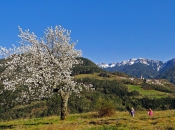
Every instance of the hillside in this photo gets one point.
(167, 65)
(168, 75)
(142, 67)
(161, 120)
(123, 90)
(136, 70)
(87, 67)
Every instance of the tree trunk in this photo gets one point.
(64, 103)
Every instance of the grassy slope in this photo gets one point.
(150, 93)
(95, 75)
(161, 120)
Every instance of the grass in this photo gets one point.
(150, 93)
(95, 76)
(147, 93)
(161, 120)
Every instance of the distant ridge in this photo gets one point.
(138, 67)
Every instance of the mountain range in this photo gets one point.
(142, 68)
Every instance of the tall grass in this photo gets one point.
(161, 120)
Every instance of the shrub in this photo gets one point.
(105, 107)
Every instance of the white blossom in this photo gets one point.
(41, 64)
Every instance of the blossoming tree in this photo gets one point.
(42, 66)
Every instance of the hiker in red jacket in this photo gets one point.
(150, 112)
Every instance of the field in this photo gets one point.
(150, 93)
(144, 93)
(161, 120)
(96, 76)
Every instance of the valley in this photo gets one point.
(121, 89)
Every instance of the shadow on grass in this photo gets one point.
(6, 127)
(2, 127)
(106, 122)
(39, 123)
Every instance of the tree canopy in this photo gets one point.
(42, 65)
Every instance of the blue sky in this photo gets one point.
(106, 30)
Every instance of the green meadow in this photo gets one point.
(150, 93)
(144, 93)
(161, 120)
(120, 120)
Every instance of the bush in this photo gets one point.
(105, 107)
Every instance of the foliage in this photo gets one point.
(161, 88)
(42, 66)
(120, 74)
(105, 107)
(113, 91)
(160, 92)
(124, 93)
(105, 74)
(87, 67)
(35, 62)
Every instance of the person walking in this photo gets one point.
(150, 112)
(132, 112)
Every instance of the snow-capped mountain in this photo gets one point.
(168, 71)
(154, 63)
(167, 65)
(104, 65)
(138, 67)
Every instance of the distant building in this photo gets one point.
(141, 77)
(131, 78)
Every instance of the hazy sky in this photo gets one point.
(106, 30)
